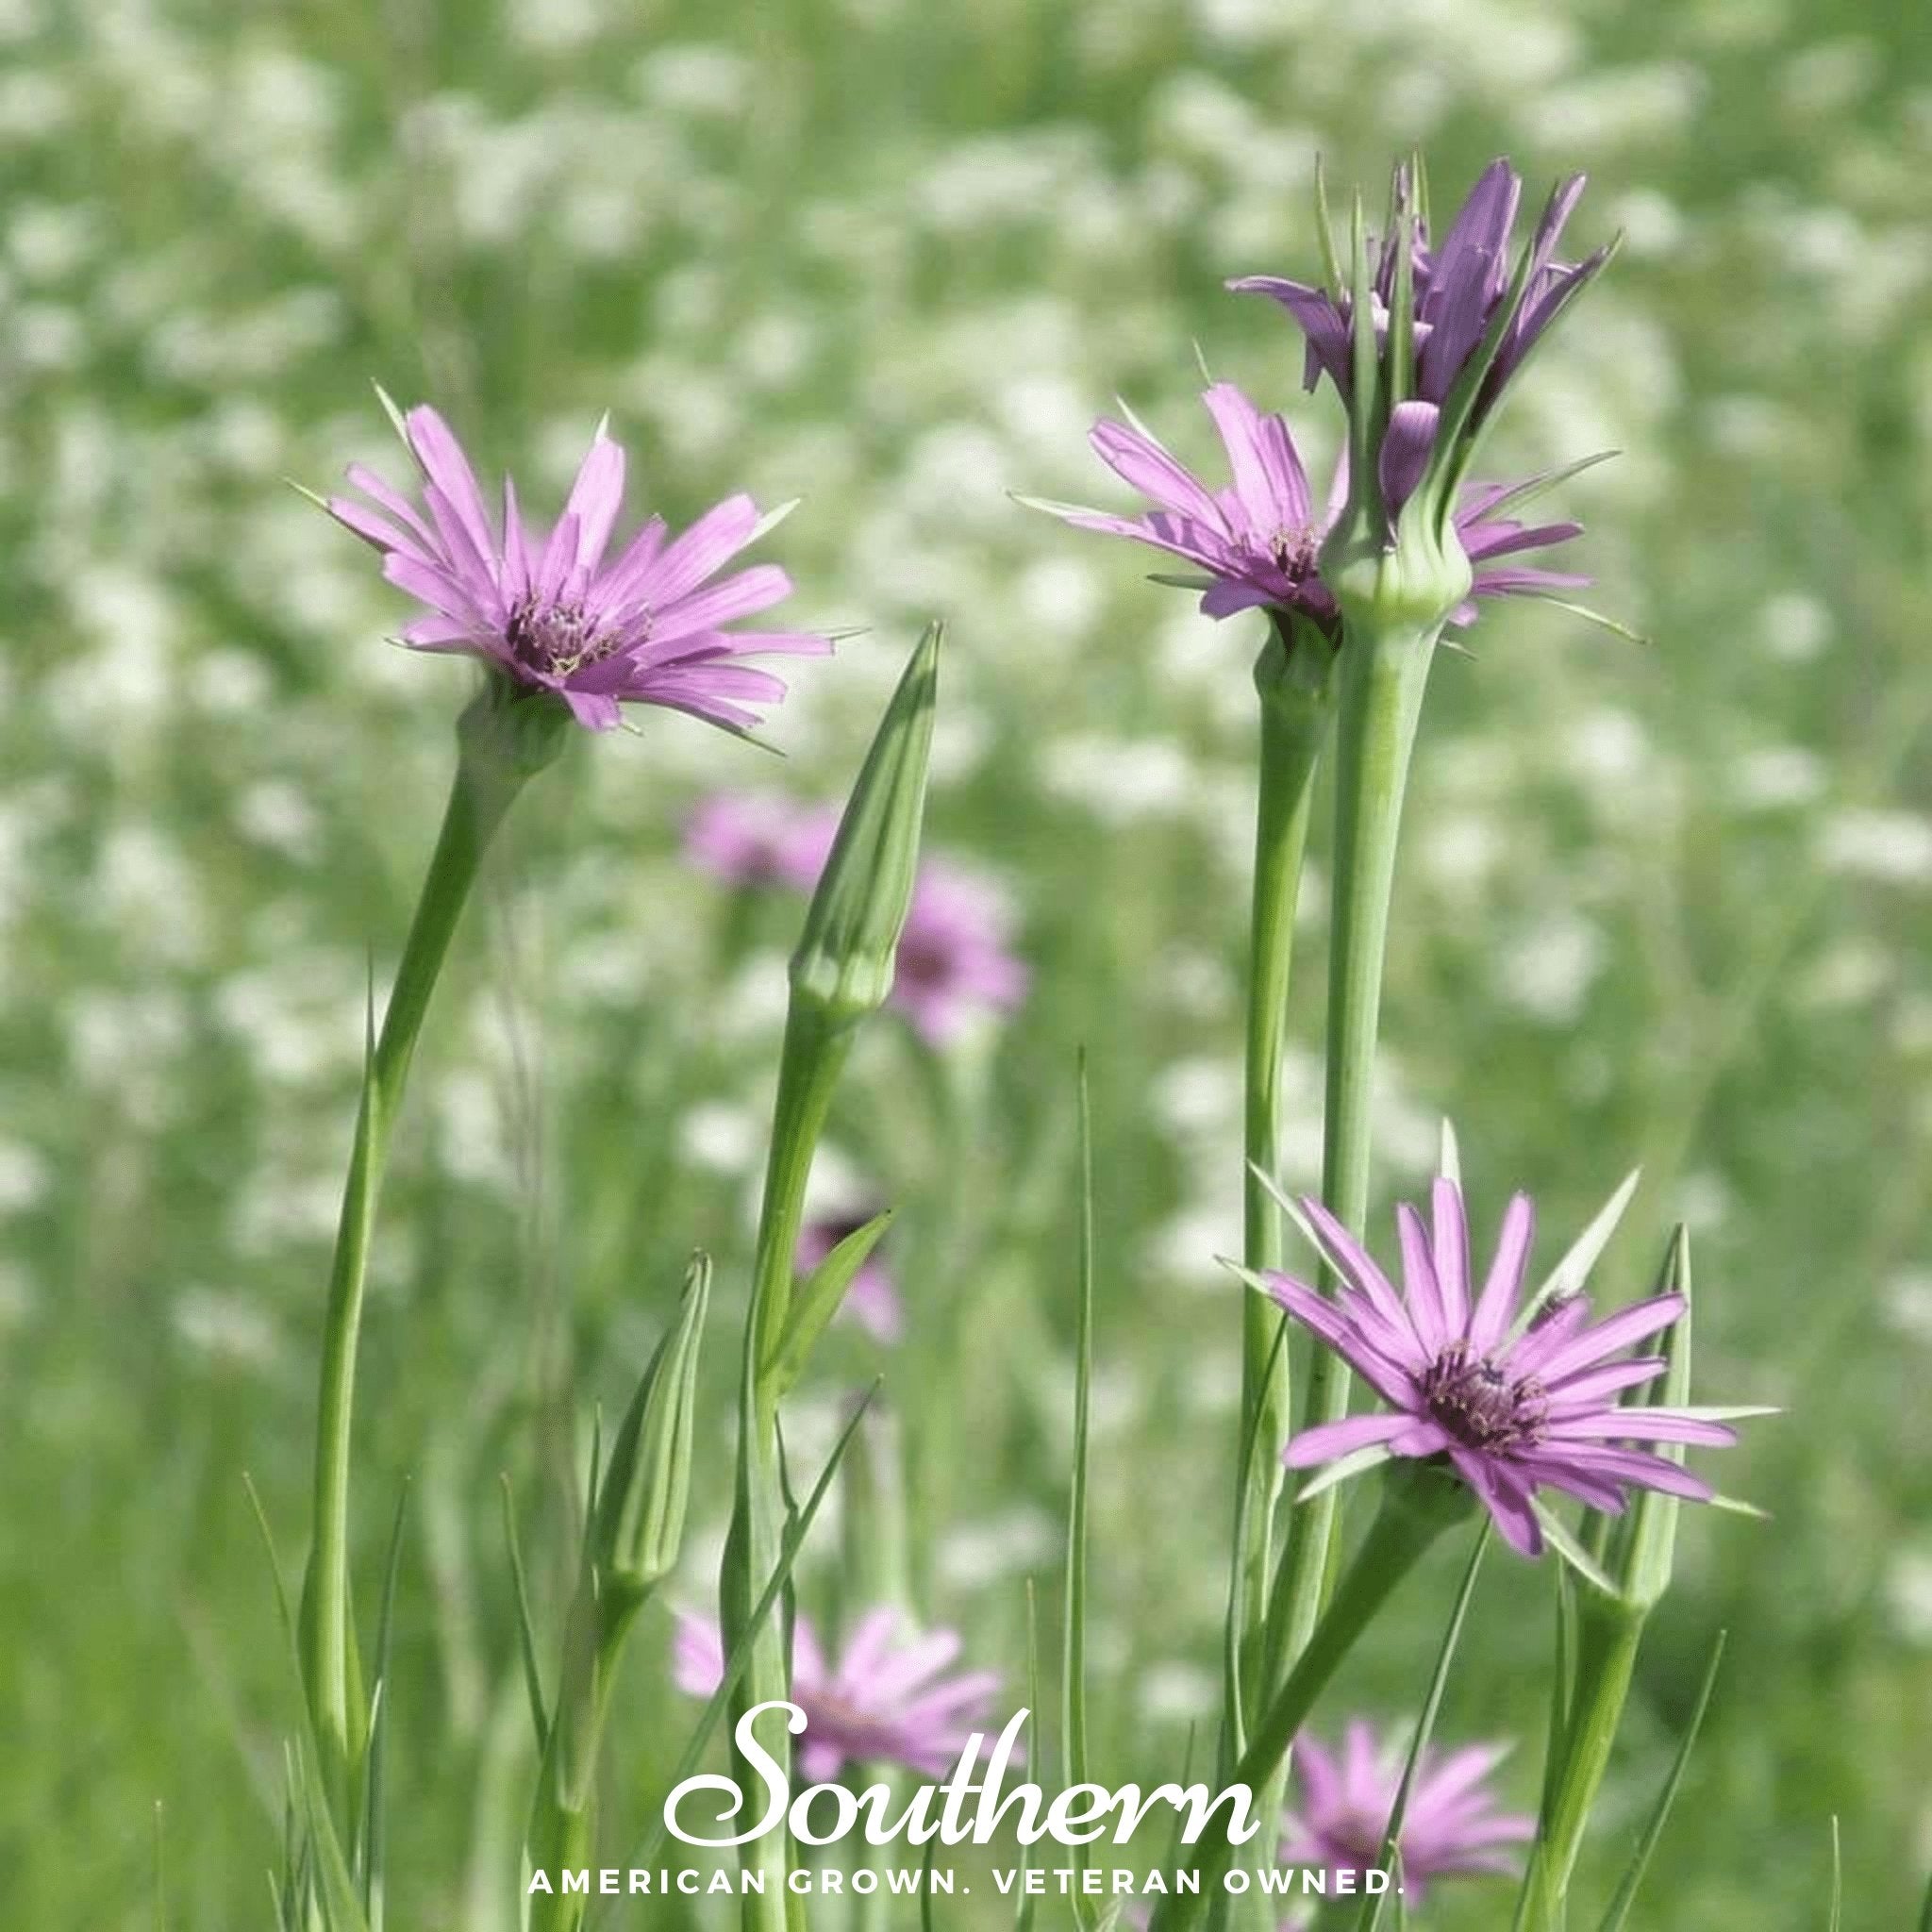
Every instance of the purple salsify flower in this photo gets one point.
(871, 1296)
(753, 838)
(887, 1701)
(551, 613)
(1457, 289)
(1451, 1825)
(955, 960)
(1260, 542)
(1516, 1399)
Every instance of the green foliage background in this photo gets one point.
(1664, 904)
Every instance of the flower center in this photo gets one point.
(923, 964)
(1295, 554)
(857, 1733)
(1355, 1840)
(557, 639)
(1478, 1404)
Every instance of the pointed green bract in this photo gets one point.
(844, 967)
(638, 1528)
(818, 1298)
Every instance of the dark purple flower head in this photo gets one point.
(1518, 1398)
(871, 1296)
(549, 610)
(955, 956)
(887, 1701)
(1258, 541)
(1451, 1825)
(1458, 291)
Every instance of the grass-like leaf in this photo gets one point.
(526, 1634)
(1370, 1916)
(1024, 1917)
(1073, 1605)
(341, 1908)
(1837, 1877)
(374, 1848)
(1619, 1911)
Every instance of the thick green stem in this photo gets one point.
(1609, 1636)
(1418, 1503)
(497, 752)
(562, 1813)
(814, 1053)
(1384, 673)
(1292, 676)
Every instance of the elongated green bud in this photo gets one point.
(845, 960)
(638, 1525)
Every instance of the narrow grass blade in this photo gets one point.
(526, 1635)
(342, 1906)
(374, 1849)
(1024, 1919)
(1837, 1885)
(1562, 1689)
(1370, 1915)
(160, 1894)
(1234, 1716)
(1619, 1912)
(1073, 1608)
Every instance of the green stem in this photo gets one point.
(497, 752)
(1609, 1636)
(814, 1053)
(1383, 677)
(1418, 1503)
(1292, 676)
(562, 1812)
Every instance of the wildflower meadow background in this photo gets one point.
(1665, 903)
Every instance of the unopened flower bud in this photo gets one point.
(845, 962)
(639, 1527)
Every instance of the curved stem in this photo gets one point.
(1418, 1503)
(1383, 678)
(484, 784)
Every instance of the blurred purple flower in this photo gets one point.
(954, 960)
(887, 1701)
(872, 1297)
(955, 957)
(1515, 1406)
(751, 838)
(1451, 1825)
(1260, 542)
(548, 611)
(1458, 289)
